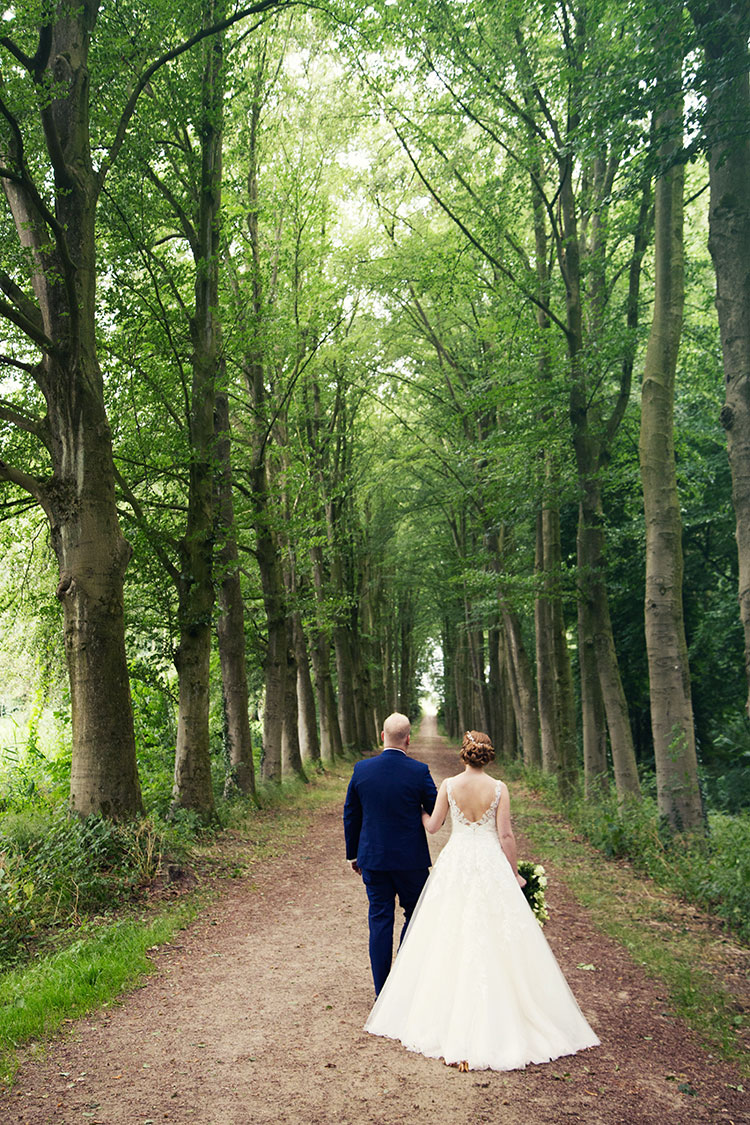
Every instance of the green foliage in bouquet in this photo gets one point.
(536, 881)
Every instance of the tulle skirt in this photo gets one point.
(475, 979)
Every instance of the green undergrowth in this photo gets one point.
(57, 871)
(37, 999)
(688, 954)
(251, 834)
(711, 869)
(80, 903)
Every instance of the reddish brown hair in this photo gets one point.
(476, 748)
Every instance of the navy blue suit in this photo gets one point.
(384, 834)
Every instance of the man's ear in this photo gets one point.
(382, 736)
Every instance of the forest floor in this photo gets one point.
(254, 1015)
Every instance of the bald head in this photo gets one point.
(396, 731)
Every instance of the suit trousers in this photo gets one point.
(382, 889)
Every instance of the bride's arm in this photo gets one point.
(505, 833)
(434, 822)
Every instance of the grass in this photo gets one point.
(667, 938)
(107, 958)
(36, 1000)
(653, 924)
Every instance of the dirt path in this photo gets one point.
(255, 1015)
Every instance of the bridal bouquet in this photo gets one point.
(536, 881)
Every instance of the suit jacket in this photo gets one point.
(383, 812)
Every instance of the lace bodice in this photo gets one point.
(474, 942)
(486, 821)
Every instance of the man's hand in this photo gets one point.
(356, 868)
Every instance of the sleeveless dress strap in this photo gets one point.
(488, 814)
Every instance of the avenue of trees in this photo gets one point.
(338, 344)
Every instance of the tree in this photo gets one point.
(669, 673)
(723, 28)
(52, 189)
(46, 150)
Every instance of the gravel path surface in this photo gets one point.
(255, 1014)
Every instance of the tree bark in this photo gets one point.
(230, 626)
(291, 755)
(308, 721)
(594, 723)
(330, 734)
(555, 694)
(591, 559)
(275, 664)
(260, 427)
(678, 793)
(723, 28)
(596, 617)
(79, 497)
(527, 715)
(192, 776)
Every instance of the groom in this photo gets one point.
(385, 840)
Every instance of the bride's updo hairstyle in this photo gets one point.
(476, 748)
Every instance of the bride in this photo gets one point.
(475, 982)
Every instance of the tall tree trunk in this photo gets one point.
(678, 793)
(527, 715)
(92, 556)
(330, 733)
(475, 639)
(462, 684)
(594, 723)
(564, 691)
(389, 672)
(496, 689)
(545, 681)
(192, 776)
(275, 663)
(450, 714)
(308, 721)
(591, 559)
(331, 742)
(592, 591)
(230, 626)
(79, 496)
(406, 652)
(260, 427)
(516, 705)
(724, 27)
(347, 712)
(291, 755)
(502, 688)
(362, 707)
(555, 696)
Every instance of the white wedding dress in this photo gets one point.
(475, 979)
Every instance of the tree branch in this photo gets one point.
(28, 483)
(23, 420)
(12, 48)
(143, 523)
(35, 211)
(11, 313)
(257, 9)
(23, 303)
(19, 364)
(499, 266)
(187, 226)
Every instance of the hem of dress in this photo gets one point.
(483, 1066)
